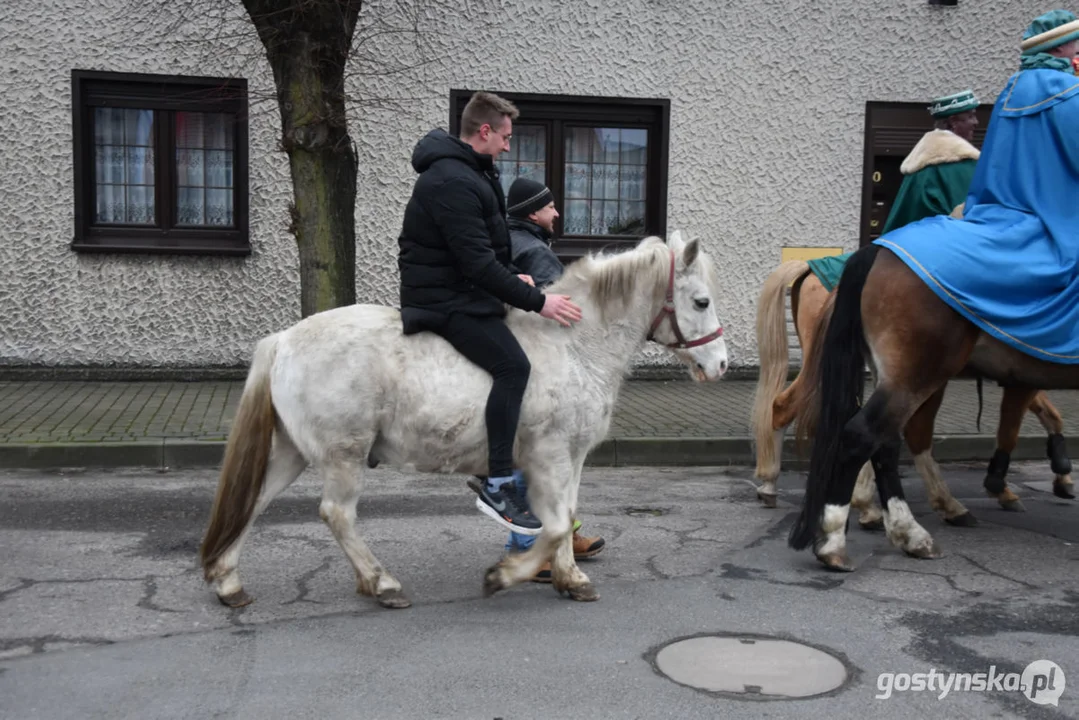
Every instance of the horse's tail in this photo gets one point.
(246, 458)
(840, 374)
(772, 346)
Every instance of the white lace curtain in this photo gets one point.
(605, 180)
(124, 166)
(527, 157)
(204, 156)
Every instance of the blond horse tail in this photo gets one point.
(246, 458)
(772, 346)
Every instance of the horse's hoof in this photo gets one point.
(837, 561)
(1015, 505)
(394, 600)
(492, 581)
(583, 593)
(238, 599)
(964, 520)
(925, 553)
(768, 501)
(1064, 490)
(995, 484)
(873, 525)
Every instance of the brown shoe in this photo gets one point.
(543, 575)
(586, 547)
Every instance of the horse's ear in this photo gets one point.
(689, 254)
(676, 242)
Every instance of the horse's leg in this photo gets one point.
(1053, 423)
(864, 500)
(549, 477)
(871, 435)
(341, 487)
(285, 465)
(565, 574)
(903, 530)
(919, 436)
(1013, 406)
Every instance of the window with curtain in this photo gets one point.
(160, 164)
(603, 159)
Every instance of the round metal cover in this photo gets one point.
(751, 666)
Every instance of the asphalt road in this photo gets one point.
(103, 612)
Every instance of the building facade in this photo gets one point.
(146, 197)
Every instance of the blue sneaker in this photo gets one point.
(507, 506)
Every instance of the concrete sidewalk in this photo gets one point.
(186, 424)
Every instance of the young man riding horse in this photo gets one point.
(456, 278)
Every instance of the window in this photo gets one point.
(160, 164)
(892, 129)
(604, 159)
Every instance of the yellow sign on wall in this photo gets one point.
(809, 253)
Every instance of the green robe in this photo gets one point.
(933, 190)
(936, 177)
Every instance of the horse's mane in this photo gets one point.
(608, 277)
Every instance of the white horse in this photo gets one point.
(345, 383)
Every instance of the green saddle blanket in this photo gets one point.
(829, 269)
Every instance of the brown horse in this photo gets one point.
(775, 408)
(883, 312)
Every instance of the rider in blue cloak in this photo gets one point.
(1011, 264)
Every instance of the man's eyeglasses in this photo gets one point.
(505, 137)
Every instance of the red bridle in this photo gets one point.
(668, 311)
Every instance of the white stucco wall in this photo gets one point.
(766, 148)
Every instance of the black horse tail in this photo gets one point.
(841, 380)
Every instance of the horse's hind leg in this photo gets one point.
(919, 436)
(565, 574)
(864, 500)
(285, 465)
(1013, 406)
(1053, 423)
(872, 434)
(342, 482)
(903, 530)
(784, 411)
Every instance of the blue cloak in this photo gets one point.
(1010, 265)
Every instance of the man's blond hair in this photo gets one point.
(485, 108)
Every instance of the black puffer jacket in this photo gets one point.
(454, 245)
(531, 252)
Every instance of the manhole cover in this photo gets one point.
(751, 666)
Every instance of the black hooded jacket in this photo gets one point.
(454, 247)
(532, 253)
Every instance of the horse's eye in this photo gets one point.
(701, 303)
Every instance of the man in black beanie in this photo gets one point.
(532, 213)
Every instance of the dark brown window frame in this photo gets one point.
(90, 89)
(555, 111)
(892, 129)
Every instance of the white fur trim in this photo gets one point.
(936, 148)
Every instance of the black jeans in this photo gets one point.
(488, 343)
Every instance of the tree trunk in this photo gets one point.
(307, 43)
